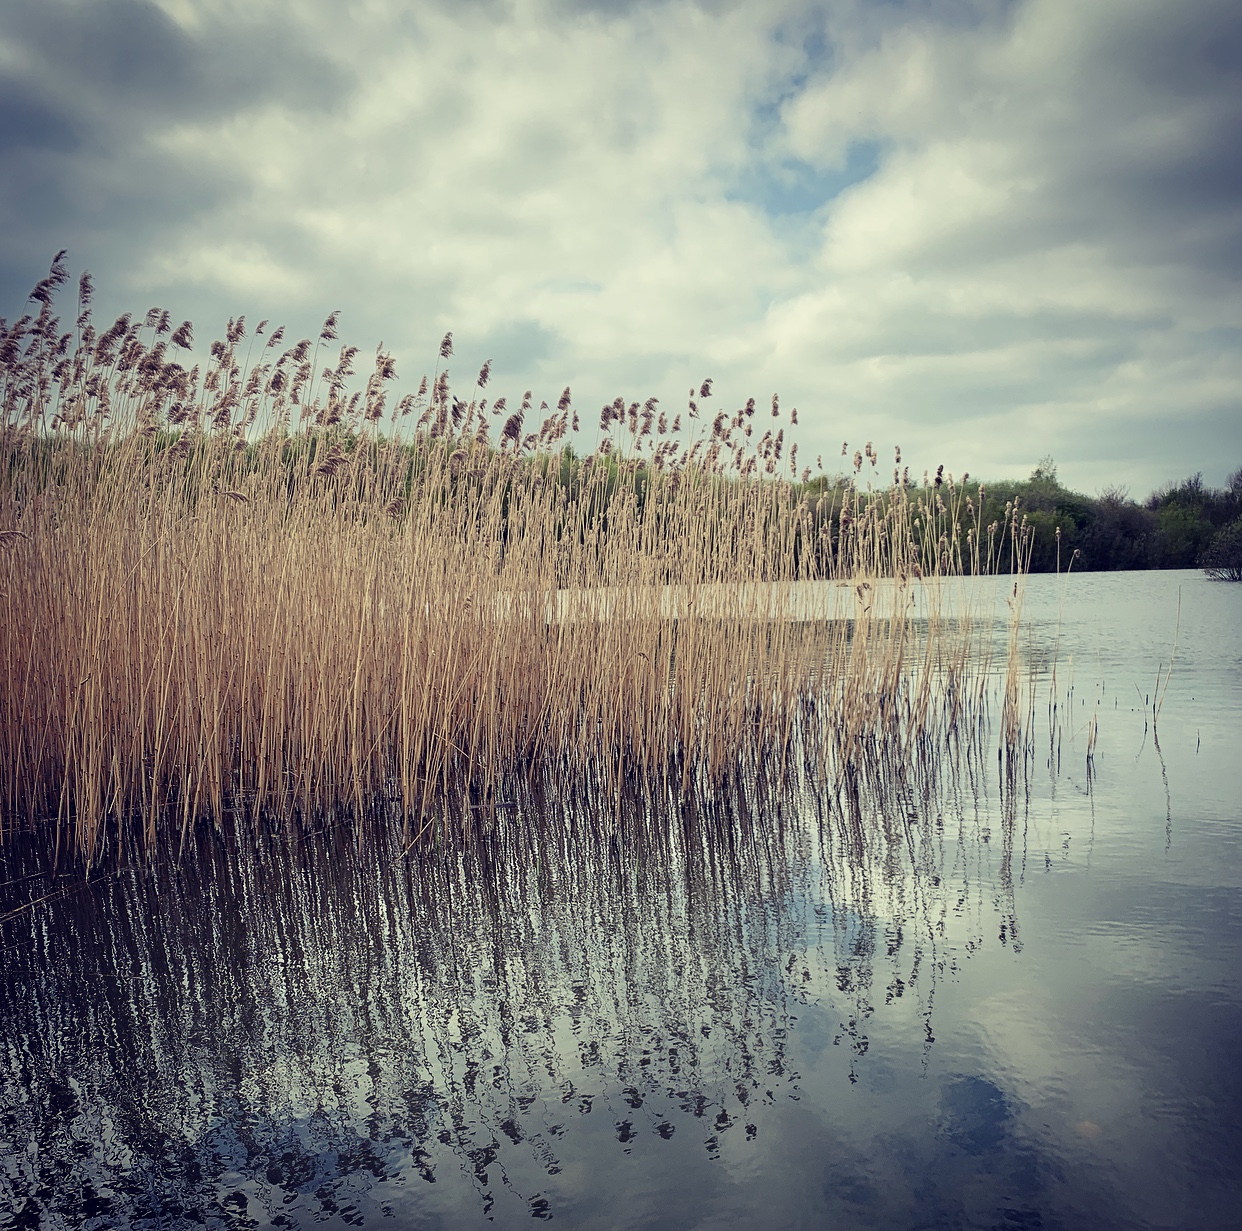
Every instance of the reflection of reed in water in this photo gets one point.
(295, 1021)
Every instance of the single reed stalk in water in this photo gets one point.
(221, 594)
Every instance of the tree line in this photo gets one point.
(1180, 525)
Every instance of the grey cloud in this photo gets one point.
(93, 84)
(123, 54)
(1162, 112)
(31, 123)
(1183, 49)
(1162, 109)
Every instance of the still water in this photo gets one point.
(959, 990)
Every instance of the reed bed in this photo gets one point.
(239, 586)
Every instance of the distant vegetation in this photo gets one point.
(1182, 525)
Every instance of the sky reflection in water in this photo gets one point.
(961, 993)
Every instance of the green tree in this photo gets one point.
(1046, 471)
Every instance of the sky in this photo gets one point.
(984, 231)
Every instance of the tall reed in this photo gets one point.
(241, 586)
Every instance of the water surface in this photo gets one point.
(959, 990)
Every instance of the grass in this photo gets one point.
(241, 587)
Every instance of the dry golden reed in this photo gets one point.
(243, 586)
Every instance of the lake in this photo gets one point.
(960, 988)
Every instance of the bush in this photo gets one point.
(1223, 557)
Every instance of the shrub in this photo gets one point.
(1223, 557)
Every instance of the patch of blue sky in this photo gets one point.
(794, 187)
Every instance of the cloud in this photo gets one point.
(1049, 245)
(95, 89)
(985, 231)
